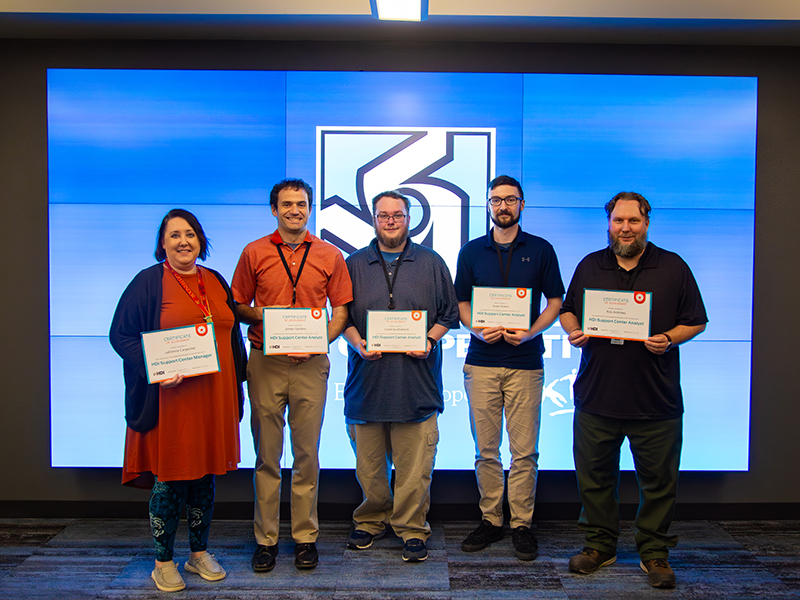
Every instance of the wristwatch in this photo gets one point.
(669, 339)
(433, 343)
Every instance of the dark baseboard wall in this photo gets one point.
(454, 497)
(439, 512)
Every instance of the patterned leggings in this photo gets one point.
(166, 505)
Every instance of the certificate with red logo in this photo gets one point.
(189, 351)
(295, 330)
(397, 330)
(501, 307)
(617, 314)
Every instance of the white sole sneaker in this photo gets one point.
(167, 578)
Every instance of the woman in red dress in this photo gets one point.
(183, 431)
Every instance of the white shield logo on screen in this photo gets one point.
(443, 171)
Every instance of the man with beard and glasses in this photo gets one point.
(504, 370)
(628, 388)
(392, 400)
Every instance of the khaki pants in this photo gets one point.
(412, 449)
(493, 391)
(275, 383)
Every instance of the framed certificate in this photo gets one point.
(295, 330)
(397, 330)
(501, 307)
(617, 314)
(189, 351)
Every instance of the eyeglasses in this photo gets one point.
(509, 200)
(385, 217)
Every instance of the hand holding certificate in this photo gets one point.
(189, 351)
(295, 331)
(509, 308)
(617, 314)
(397, 330)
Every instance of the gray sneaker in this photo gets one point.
(206, 566)
(167, 578)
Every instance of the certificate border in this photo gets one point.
(608, 337)
(490, 287)
(424, 319)
(298, 308)
(144, 351)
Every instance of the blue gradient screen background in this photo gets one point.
(125, 146)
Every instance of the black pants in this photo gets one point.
(656, 448)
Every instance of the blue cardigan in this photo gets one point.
(138, 310)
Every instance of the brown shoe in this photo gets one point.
(659, 573)
(589, 560)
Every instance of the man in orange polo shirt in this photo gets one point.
(290, 268)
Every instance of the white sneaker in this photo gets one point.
(167, 578)
(206, 566)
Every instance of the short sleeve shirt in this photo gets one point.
(628, 381)
(533, 265)
(398, 388)
(260, 276)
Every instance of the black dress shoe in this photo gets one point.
(264, 558)
(306, 556)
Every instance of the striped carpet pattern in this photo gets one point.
(98, 558)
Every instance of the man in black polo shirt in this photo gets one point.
(631, 389)
(504, 371)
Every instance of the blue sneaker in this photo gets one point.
(361, 540)
(414, 550)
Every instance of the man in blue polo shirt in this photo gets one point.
(392, 400)
(504, 371)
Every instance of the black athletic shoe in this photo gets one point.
(485, 534)
(525, 545)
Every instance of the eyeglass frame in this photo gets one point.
(394, 218)
(509, 200)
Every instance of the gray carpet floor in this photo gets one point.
(99, 558)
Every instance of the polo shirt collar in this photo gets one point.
(372, 250)
(276, 238)
(489, 243)
(649, 259)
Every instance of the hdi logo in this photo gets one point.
(443, 171)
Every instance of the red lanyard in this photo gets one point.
(202, 301)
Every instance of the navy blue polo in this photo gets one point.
(533, 265)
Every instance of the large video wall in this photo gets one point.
(125, 146)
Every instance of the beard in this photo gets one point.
(505, 224)
(392, 242)
(630, 250)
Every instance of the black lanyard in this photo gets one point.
(505, 269)
(299, 271)
(390, 284)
